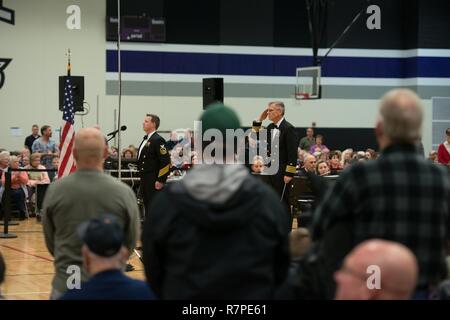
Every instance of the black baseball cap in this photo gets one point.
(103, 235)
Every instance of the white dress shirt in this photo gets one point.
(144, 142)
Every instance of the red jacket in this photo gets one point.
(443, 155)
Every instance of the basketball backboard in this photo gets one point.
(308, 83)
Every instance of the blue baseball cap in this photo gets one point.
(103, 235)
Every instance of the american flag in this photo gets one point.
(67, 163)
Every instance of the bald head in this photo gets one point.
(89, 148)
(400, 116)
(397, 268)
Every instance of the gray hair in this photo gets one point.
(401, 115)
(14, 158)
(4, 155)
(279, 104)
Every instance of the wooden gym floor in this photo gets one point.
(29, 266)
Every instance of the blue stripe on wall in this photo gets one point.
(267, 65)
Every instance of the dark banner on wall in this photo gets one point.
(403, 24)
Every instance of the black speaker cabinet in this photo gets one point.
(77, 92)
(212, 91)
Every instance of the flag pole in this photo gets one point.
(119, 69)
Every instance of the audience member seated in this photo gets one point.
(35, 178)
(377, 270)
(19, 191)
(347, 154)
(104, 257)
(53, 175)
(258, 164)
(349, 162)
(433, 156)
(324, 156)
(113, 152)
(309, 165)
(173, 140)
(25, 162)
(4, 161)
(188, 140)
(335, 161)
(322, 168)
(128, 154)
(24, 154)
(301, 154)
(2, 274)
(318, 146)
(444, 150)
(370, 154)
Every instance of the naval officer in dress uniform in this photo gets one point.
(153, 160)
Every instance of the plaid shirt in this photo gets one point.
(400, 197)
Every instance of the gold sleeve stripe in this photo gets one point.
(163, 171)
(290, 169)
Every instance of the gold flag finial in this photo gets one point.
(69, 67)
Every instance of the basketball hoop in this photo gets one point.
(302, 96)
(307, 83)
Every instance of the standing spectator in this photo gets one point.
(32, 137)
(104, 256)
(400, 196)
(19, 193)
(308, 141)
(45, 147)
(444, 150)
(219, 233)
(398, 272)
(81, 196)
(318, 146)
